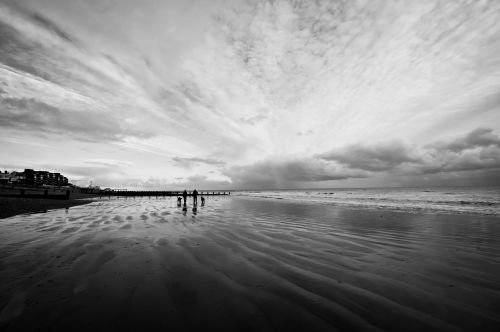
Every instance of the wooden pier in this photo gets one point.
(131, 193)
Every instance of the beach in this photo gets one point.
(244, 263)
(10, 206)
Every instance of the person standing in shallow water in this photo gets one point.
(195, 197)
(184, 195)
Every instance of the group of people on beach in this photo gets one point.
(195, 198)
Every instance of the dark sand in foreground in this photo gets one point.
(247, 265)
(10, 206)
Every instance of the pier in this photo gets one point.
(66, 194)
(131, 193)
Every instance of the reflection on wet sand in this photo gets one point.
(239, 264)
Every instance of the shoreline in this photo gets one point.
(12, 206)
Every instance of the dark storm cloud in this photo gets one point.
(34, 116)
(480, 137)
(272, 173)
(484, 159)
(380, 157)
(477, 151)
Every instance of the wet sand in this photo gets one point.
(247, 264)
(11, 206)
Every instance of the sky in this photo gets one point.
(209, 94)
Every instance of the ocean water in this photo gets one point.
(468, 200)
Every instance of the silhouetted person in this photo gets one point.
(179, 201)
(195, 197)
(184, 195)
(202, 201)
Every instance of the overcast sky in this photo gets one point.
(252, 94)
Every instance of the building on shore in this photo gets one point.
(4, 177)
(31, 177)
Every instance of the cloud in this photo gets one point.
(197, 178)
(103, 175)
(52, 27)
(85, 171)
(193, 160)
(255, 119)
(247, 81)
(480, 137)
(479, 152)
(36, 45)
(199, 181)
(35, 116)
(109, 162)
(476, 150)
(305, 133)
(12, 167)
(281, 173)
(483, 158)
(45, 69)
(380, 157)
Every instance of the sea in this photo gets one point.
(462, 200)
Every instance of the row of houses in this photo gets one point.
(33, 178)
